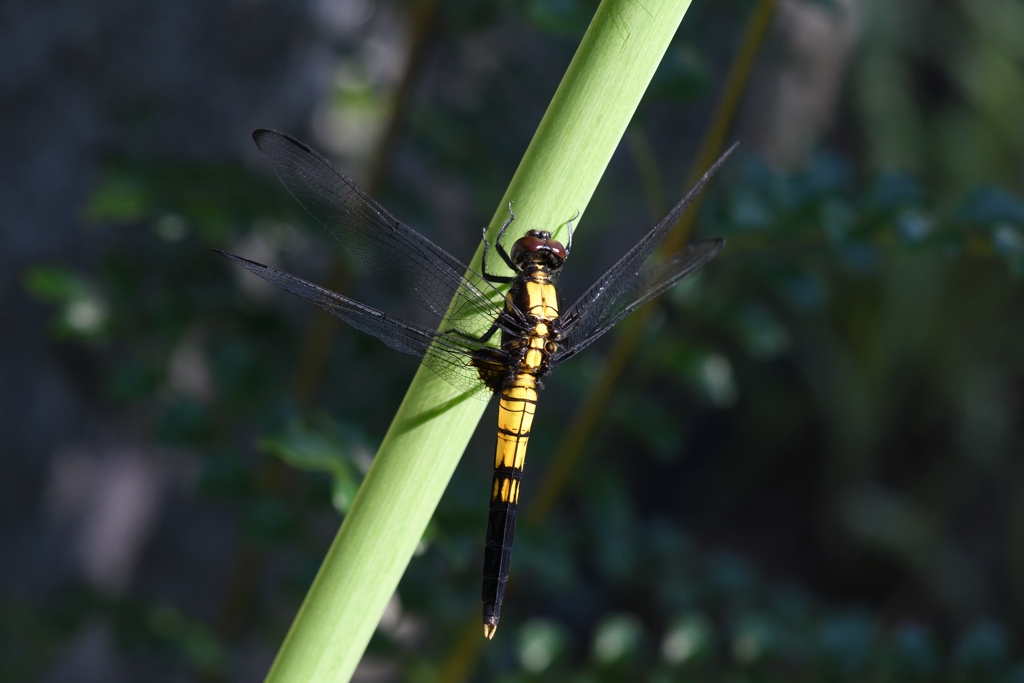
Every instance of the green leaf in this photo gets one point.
(120, 198)
(322, 446)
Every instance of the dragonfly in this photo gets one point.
(499, 334)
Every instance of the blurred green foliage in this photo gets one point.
(812, 472)
(83, 313)
(324, 446)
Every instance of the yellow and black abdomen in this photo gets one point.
(515, 416)
(517, 405)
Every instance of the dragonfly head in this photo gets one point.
(536, 246)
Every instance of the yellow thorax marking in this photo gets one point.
(542, 298)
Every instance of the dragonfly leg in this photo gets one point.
(497, 243)
(500, 279)
(483, 337)
(568, 224)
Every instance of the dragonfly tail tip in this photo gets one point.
(489, 630)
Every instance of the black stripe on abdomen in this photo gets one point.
(501, 531)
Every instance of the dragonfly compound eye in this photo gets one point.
(537, 245)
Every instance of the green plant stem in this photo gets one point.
(576, 437)
(557, 176)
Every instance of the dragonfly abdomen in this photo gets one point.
(515, 417)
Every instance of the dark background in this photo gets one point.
(811, 468)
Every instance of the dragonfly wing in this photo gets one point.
(613, 289)
(392, 250)
(448, 354)
(634, 292)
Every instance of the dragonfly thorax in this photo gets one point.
(536, 246)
